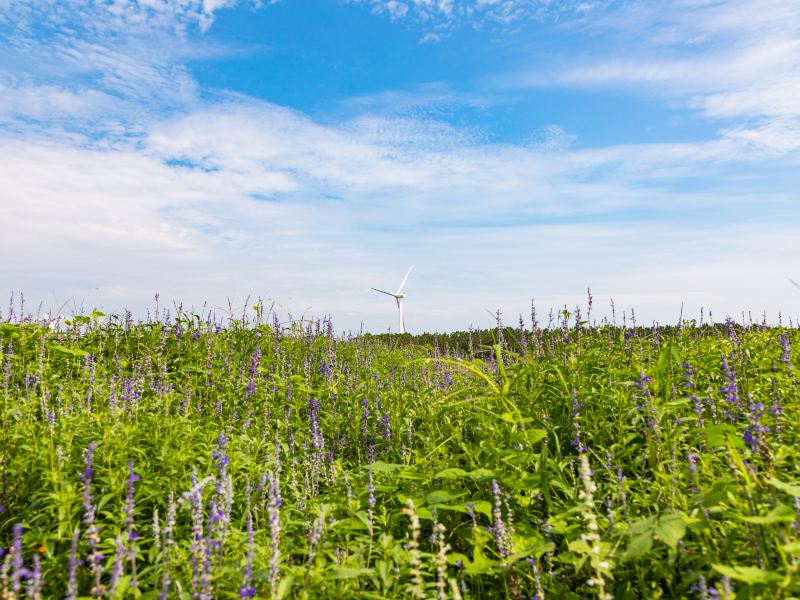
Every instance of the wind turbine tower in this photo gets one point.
(399, 296)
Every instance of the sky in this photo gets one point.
(304, 151)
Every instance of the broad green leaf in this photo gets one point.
(722, 435)
(482, 475)
(351, 523)
(482, 507)
(779, 514)
(670, 529)
(285, 585)
(638, 546)
(536, 435)
(792, 489)
(480, 564)
(66, 350)
(717, 492)
(451, 473)
(349, 573)
(382, 467)
(443, 496)
(749, 575)
(641, 526)
(532, 550)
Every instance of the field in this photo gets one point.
(193, 456)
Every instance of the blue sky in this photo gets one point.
(306, 150)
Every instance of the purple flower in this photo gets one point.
(731, 391)
(74, 563)
(247, 590)
(118, 568)
(273, 512)
(499, 530)
(576, 406)
(35, 579)
(130, 500)
(92, 531)
(692, 459)
(201, 561)
(786, 349)
(645, 402)
(220, 458)
(19, 572)
(130, 508)
(316, 436)
(688, 384)
(371, 502)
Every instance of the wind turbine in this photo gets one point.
(399, 295)
(793, 282)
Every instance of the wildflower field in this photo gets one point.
(193, 456)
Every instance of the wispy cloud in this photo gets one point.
(99, 69)
(443, 15)
(104, 16)
(249, 197)
(723, 60)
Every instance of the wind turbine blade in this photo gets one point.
(793, 282)
(400, 289)
(387, 293)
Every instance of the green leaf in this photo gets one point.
(790, 488)
(443, 496)
(382, 467)
(670, 529)
(349, 573)
(479, 564)
(638, 546)
(285, 585)
(452, 473)
(779, 514)
(534, 549)
(71, 351)
(723, 435)
(749, 575)
(424, 513)
(642, 525)
(536, 435)
(351, 523)
(481, 507)
(482, 475)
(717, 492)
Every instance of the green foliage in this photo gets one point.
(694, 482)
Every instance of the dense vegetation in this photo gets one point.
(187, 457)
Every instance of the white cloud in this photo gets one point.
(116, 15)
(248, 197)
(779, 136)
(725, 60)
(444, 15)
